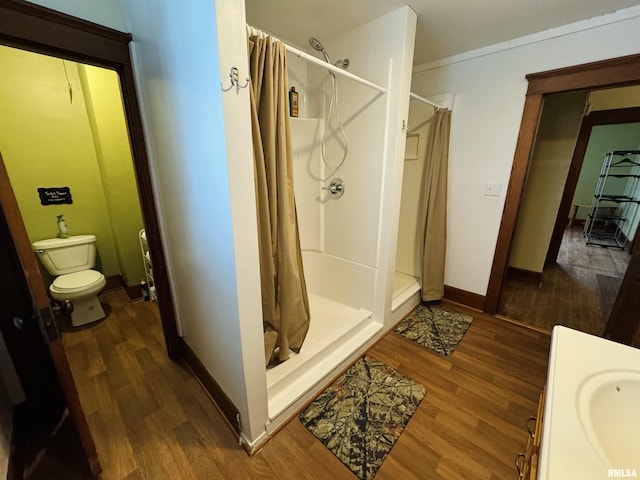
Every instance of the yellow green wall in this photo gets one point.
(48, 140)
(550, 161)
(611, 98)
(107, 120)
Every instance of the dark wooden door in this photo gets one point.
(20, 328)
(27, 324)
(623, 324)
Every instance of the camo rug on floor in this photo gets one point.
(434, 327)
(361, 415)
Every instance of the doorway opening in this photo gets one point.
(65, 135)
(554, 276)
(31, 28)
(612, 73)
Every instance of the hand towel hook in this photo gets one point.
(234, 79)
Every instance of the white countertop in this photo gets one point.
(565, 451)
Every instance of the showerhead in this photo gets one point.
(316, 45)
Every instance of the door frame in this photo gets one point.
(38, 29)
(616, 72)
(600, 117)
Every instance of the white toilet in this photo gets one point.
(71, 260)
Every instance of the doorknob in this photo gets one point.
(19, 323)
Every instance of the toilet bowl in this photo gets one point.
(81, 289)
(71, 261)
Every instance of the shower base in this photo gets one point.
(336, 331)
(406, 295)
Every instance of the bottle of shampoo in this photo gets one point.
(293, 102)
(62, 227)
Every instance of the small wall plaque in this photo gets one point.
(55, 195)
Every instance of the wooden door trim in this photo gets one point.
(616, 72)
(600, 117)
(524, 147)
(31, 27)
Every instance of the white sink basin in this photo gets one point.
(591, 426)
(609, 411)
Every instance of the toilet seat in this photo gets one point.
(77, 282)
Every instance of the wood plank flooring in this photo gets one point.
(151, 420)
(568, 294)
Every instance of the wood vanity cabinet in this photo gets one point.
(527, 461)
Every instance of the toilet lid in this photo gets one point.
(76, 280)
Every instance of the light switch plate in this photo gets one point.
(492, 189)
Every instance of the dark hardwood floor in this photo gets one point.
(151, 419)
(571, 291)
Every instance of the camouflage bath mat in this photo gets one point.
(361, 415)
(435, 328)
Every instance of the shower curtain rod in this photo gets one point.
(322, 63)
(424, 100)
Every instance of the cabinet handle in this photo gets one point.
(520, 461)
(529, 429)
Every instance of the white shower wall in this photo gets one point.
(331, 269)
(339, 237)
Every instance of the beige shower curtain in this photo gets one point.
(285, 305)
(434, 208)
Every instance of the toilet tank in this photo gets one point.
(67, 255)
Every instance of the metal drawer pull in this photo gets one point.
(529, 429)
(520, 465)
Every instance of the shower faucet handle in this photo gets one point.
(335, 188)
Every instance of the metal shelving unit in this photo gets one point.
(615, 201)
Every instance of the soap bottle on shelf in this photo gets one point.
(293, 102)
(62, 227)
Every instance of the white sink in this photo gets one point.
(591, 425)
(609, 410)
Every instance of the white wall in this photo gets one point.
(202, 200)
(490, 86)
(232, 48)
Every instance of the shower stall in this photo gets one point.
(406, 279)
(337, 181)
(347, 147)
